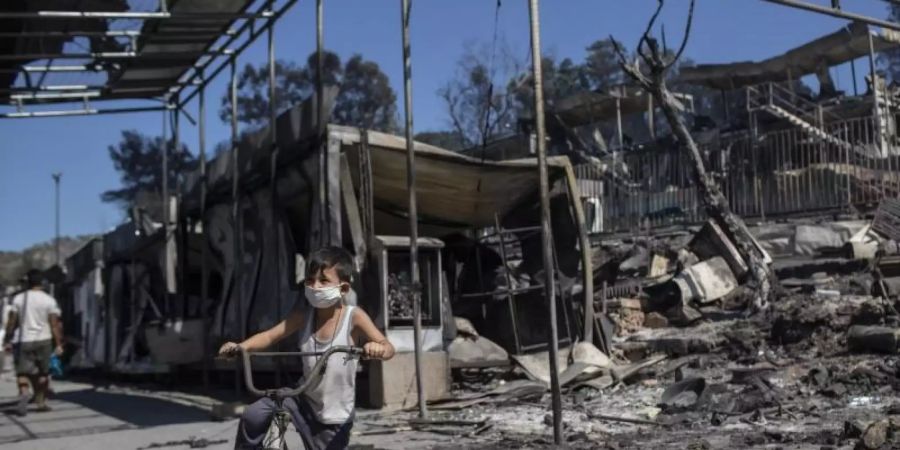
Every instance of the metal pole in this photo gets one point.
(215, 51)
(83, 112)
(132, 15)
(165, 209)
(837, 13)
(320, 60)
(56, 178)
(853, 74)
(170, 220)
(173, 35)
(549, 285)
(510, 296)
(413, 213)
(876, 96)
(324, 217)
(236, 218)
(204, 243)
(57, 68)
(619, 123)
(273, 172)
(164, 186)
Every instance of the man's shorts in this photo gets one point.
(33, 358)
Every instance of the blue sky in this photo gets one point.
(724, 31)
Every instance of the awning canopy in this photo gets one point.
(450, 188)
(848, 43)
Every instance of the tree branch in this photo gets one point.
(687, 33)
(653, 81)
(451, 111)
(646, 35)
(630, 69)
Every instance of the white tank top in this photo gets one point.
(333, 398)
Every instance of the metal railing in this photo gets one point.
(779, 173)
(782, 96)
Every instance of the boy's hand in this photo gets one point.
(229, 349)
(374, 350)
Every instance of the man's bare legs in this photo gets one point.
(23, 381)
(40, 391)
(24, 395)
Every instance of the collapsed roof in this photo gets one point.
(453, 190)
(593, 107)
(847, 44)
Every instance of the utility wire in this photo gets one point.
(490, 94)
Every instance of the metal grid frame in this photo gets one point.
(168, 37)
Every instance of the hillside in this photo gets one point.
(14, 264)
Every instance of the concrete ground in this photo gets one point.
(86, 416)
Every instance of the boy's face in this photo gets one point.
(326, 278)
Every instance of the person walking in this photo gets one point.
(34, 332)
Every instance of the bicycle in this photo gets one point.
(274, 438)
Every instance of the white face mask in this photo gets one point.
(323, 297)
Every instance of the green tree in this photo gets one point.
(138, 159)
(601, 66)
(293, 83)
(365, 99)
(561, 80)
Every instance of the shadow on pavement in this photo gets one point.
(137, 410)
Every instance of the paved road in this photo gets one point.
(85, 417)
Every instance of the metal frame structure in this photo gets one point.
(243, 28)
(838, 12)
(173, 98)
(196, 71)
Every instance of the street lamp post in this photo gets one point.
(56, 178)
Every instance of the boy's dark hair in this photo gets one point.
(34, 278)
(327, 257)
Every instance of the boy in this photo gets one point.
(324, 414)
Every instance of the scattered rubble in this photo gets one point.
(693, 365)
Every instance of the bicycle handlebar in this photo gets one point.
(308, 378)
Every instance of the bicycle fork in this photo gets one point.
(274, 438)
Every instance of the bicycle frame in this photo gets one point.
(274, 438)
(309, 379)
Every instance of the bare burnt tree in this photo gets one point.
(479, 109)
(649, 70)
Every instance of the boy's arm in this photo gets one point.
(376, 345)
(267, 338)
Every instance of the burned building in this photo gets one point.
(480, 248)
(778, 152)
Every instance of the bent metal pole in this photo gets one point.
(549, 287)
(413, 216)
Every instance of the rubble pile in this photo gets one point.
(692, 363)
